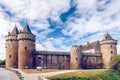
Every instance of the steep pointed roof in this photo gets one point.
(27, 29)
(15, 31)
(107, 37)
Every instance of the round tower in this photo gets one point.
(26, 49)
(12, 49)
(75, 57)
(108, 49)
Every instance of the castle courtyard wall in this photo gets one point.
(92, 61)
(53, 61)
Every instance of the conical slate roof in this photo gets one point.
(14, 31)
(107, 37)
(27, 29)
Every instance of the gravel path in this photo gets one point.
(42, 75)
(7, 75)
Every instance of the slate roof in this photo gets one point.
(14, 31)
(27, 29)
(93, 45)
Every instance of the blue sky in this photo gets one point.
(59, 24)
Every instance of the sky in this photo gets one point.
(59, 24)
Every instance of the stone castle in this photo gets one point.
(21, 53)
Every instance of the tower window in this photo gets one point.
(111, 52)
(11, 40)
(25, 48)
(111, 46)
(9, 56)
(23, 57)
(76, 58)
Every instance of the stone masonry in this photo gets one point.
(21, 53)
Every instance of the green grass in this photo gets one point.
(98, 75)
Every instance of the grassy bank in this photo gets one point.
(93, 75)
(32, 71)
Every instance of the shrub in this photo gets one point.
(115, 64)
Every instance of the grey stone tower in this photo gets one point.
(12, 49)
(26, 49)
(108, 49)
(75, 57)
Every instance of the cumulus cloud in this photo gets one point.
(91, 19)
(35, 12)
(88, 22)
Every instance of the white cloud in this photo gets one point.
(91, 20)
(39, 47)
(118, 49)
(35, 9)
(37, 13)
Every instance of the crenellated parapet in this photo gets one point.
(24, 36)
(11, 38)
(108, 42)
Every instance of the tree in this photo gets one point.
(115, 64)
(2, 62)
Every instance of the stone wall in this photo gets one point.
(26, 50)
(11, 51)
(91, 61)
(75, 57)
(53, 60)
(108, 50)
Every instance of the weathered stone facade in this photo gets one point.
(53, 59)
(12, 49)
(26, 49)
(21, 53)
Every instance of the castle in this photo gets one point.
(21, 53)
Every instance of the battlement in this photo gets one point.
(11, 38)
(24, 36)
(108, 42)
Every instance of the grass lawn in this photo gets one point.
(32, 71)
(87, 75)
(83, 73)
